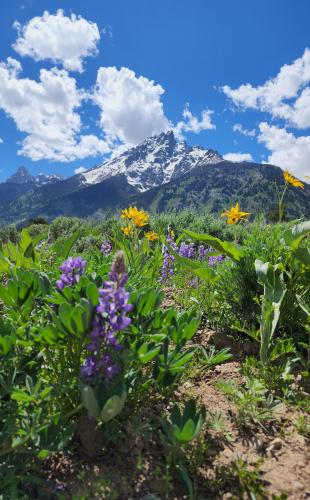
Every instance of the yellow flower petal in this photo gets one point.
(290, 179)
(151, 236)
(234, 214)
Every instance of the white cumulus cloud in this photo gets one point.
(287, 150)
(237, 127)
(56, 37)
(237, 157)
(191, 123)
(283, 96)
(46, 111)
(131, 109)
(1, 140)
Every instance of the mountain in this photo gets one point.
(159, 174)
(22, 182)
(22, 176)
(224, 183)
(156, 161)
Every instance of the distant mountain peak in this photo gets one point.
(23, 176)
(156, 161)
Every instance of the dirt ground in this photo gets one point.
(135, 469)
(275, 459)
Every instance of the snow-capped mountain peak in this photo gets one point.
(156, 161)
(23, 176)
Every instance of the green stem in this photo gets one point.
(280, 208)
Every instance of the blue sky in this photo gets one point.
(229, 75)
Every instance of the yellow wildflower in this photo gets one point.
(140, 219)
(129, 213)
(127, 230)
(151, 236)
(234, 214)
(290, 179)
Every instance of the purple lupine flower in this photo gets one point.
(106, 248)
(194, 282)
(187, 250)
(72, 269)
(202, 252)
(183, 252)
(168, 260)
(88, 370)
(110, 318)
(191, 251)
(215, 259)
(168, 265)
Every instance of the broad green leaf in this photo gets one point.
(186, 433)
(303, 305)
(303, 255)
(20, 395)
(293, 236)
(225, 247)
(112, 407)
(6, 343)
(178, 362)
(92, 294)
(25, 240)
(205, 273)
(274, 291)
(65, 313)
(50, 334)
(146, 355)
(4, 264)
(63, 249)
(89, 401)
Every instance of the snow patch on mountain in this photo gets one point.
(156, 161)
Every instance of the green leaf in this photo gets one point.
(225, 247)
(186, 434)
(25, 240)
(63, 249)
(89, 401)
(6, 343)
(20, 395)
(180, 360)
(65, 313)
(50, 334)
(303, 305)
(303, 255)
(146, 355)
(205, 273)
(293, 236)
(92, 294)
(4, 264)
(274, 291)
(112, 407)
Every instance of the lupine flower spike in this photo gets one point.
(111, 317)
(168, 259)
(72, 269)
(106, 248)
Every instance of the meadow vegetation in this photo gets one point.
(136, 350)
